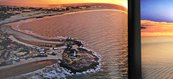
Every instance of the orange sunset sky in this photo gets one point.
(156, 29)
(38, 2)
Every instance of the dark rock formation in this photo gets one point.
(83, 60)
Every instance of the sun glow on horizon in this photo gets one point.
(36, 2)
(156, 29)
(118, 2)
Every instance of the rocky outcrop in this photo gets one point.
(84, 60)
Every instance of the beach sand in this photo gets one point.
(157, 58)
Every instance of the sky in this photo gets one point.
(35, 2)
(156, 29)
(157, 10)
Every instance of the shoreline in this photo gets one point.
(77, 12)
(17, 35)
(61, 14)
(40, 37)
(17, 27)
(42, 59)
(54, 14)
(28, 62)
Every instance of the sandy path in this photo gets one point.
(24, 38)
(25, 68)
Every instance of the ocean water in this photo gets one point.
(103, 31)
(111, 44)
(157, 58)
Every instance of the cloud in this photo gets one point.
(151, 23)
(153, 28)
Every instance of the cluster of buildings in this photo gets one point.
(37, 52)
(8, 11)
(11, 52)
(72, 47)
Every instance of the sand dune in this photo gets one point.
(157, 58)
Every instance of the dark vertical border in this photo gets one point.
(134, 40)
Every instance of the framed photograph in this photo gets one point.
(156, 34)
(69, 39)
